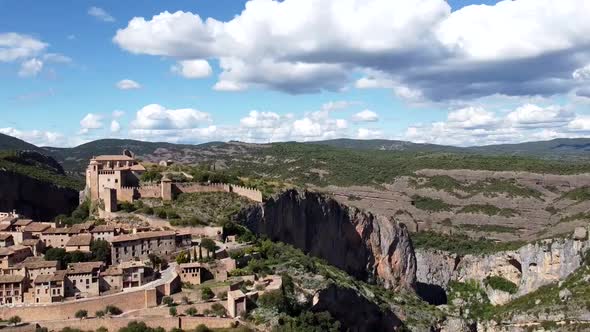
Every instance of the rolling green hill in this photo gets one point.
(338, 162)
(15, 144)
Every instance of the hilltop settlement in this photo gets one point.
(120, 262)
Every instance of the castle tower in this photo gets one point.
(110, 199)
(166, 189)
(92, 180)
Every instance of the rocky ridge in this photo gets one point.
(369, 247)
(530, 267)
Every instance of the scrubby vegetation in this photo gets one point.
(300, 271)
(196, 209)
(460, 243)
(17, 162)
(348, 167)
(488, 228)
(578, 194)
(488, 187)
(430, 204)
(489, 210)
(500, 283)
(577, 216)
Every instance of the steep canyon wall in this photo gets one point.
(369, 247)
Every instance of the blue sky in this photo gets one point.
(462, 73)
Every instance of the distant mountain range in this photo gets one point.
(247, 155)
(557, 148)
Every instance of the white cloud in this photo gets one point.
(117, 114)
(192, 68)
(127, 84)
(582, 74)
(580, 124)
(477, 126)
(36, 137)
(90, 122)
(14, 46)
(365, 116)
(115, 126)
(56, 58)
(533, 115)
(30, 68)
(157, 117)
(228, 86)
(421, 49)
(365, 133)
(471, 118)
(100, 14)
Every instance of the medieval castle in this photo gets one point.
(113, 178)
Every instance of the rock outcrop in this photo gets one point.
(369, 247)
(34, 198)
(346, 306)
(530, 267)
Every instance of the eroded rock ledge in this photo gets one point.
(369, 247)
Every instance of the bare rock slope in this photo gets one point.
(369, 247)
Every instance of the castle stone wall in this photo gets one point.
(114, 324)
(150, 191)
(67, 310)
(253, 194)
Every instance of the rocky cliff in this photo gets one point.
(530, 267)
(34, 198)
(369, 247)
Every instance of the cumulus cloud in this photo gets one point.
(127, 84)
(478, 126)
(192, 68)
(37, 137)
(100, 14)
(534, 116)
(30, 68)
(90, 122)
(117, 114)
(366, 133)
(14, 46)
(422, 50)
(582, 74)
(115, 126)
(157, 117)
(365, 116)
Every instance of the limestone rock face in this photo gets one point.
(33, 198)
(529, 267)
(355, 312)
(367, 246)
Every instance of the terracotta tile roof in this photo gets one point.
(103, 228)
(112, 271)
(9, 279)
(5, 227)
(23, 222)
(36, 227)
(142, 236)
(38, 263)
(4, 237)
(83, 268)
(58, 276)
(120, 157)
(59, 230)
(12, 249)
(79, 240)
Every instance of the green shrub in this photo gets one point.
(430, 204)
(207, 293)
(500, 283)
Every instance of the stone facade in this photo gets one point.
(130, 247)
